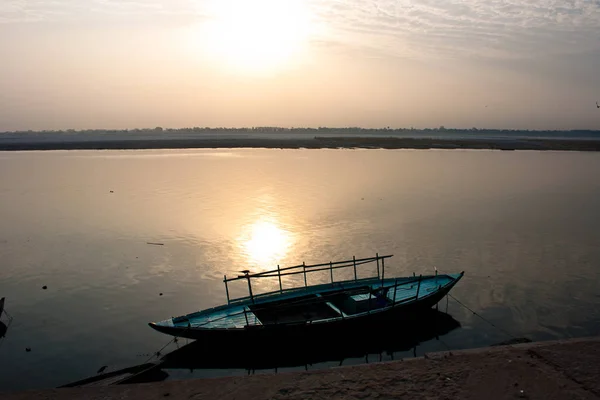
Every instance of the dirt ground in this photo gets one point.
(567, 369)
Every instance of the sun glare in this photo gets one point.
(255, 35)
(265, 243)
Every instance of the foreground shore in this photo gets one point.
(566, 369)
(307, 143)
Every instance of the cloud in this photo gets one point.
(15, 11)
(19, 11)
(496, 29)
(486, 28)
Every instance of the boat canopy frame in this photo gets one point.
(305, 270)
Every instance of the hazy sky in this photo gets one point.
(180, 63)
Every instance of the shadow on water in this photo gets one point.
(394, 336)
(3, 329)
(3, 326)
(389, 337)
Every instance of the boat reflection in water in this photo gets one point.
(200, 356)
(399, 335)
(4, 326)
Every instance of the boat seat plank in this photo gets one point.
(334, 308)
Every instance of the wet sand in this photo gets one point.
(307, 143)
(566, 369)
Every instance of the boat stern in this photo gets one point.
(456, 277)
(163, 323)
(164, 326)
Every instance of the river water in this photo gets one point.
(523, 225)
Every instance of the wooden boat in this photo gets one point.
(305, 311)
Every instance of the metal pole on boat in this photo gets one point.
(331, 270)
(354, 263)
(246, 316)
(226, 287)
(395, 288)
(382, 270)
(418, 287)
(377, 257)
(304, 269)
(279, 275)
(249, 286)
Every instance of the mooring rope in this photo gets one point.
(444, 343)
(484, 319)
(174, 340)
(157, 353)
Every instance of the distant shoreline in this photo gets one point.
(349, 142)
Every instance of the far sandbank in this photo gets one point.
(347, 142)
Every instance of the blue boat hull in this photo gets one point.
(307, 330)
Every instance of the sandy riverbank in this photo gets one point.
(308, 143)
(547, 370)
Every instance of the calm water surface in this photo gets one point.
(522, 225)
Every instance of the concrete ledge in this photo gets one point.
(568, 369)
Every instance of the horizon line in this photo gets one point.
(276, 129)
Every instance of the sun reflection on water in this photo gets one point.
(265, 243)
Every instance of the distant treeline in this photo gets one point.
(275, 129)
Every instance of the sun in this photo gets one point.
(255, 35)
